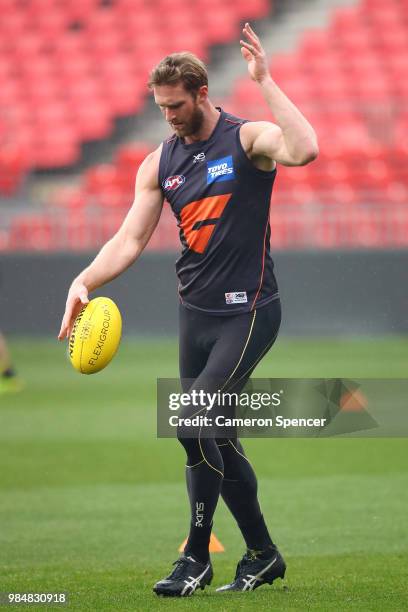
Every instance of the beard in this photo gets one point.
(193, 125)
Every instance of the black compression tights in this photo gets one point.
(213, 349)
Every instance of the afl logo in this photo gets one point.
(174, 182)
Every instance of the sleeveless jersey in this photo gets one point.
(221, 202)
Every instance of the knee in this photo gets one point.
(184, 436)
(185, 433)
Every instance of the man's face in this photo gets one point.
(180, 108)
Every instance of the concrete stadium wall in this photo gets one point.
(323, 293)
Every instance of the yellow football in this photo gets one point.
(95, 335)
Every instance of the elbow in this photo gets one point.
(309, 154)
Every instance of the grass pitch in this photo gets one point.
(91, 503)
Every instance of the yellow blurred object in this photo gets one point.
(11, 384)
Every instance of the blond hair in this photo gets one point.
(184, 67)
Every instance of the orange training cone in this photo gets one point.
(215, 545)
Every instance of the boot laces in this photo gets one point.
(180, 565)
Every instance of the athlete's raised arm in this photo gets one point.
(125, 246)
(293, 141)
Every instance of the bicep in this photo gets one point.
(145, 211)
(270, 143)
(143, 215)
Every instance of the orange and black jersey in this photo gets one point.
(221, 202)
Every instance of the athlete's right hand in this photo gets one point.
(77, 298)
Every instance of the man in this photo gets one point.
(9, 381)
(217, 173)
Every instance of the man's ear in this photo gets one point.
(202, 93)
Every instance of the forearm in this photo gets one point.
(114, 257)
(300, 137)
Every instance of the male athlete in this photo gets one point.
(9, 381)
(217, 173)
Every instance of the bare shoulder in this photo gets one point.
(251, 130)
(148, 173)
(252, 135)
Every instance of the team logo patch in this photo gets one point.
(220, 170)
(200, 157)
(174, 182)
(199, 220)
(236, 297)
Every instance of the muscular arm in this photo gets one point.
(125, 246)
(293, 141)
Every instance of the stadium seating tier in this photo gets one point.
(92, 61)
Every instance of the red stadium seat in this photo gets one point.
(70, 198)
(39, 68)
(13, 23)
(11, 91)
(255, 9)
(373, 88)
(342, 194)
(81, 233)
(365, 66)
(300, 90)
(127, 7)
(75, 68)
(85, 91)
(139, 22)
(82, 11)
(50, 91)
(129, 157)
(100, 178)
(192, 40)
(32, 233)
(284, 65)
(333, 89)
(347, 18)
(316, 43)
(397, 65)
(13, 167)
(56, 147)
(219, 24)
(92, 122)
(104, 46)
(354, 42)
(384, 14)
(70, 45)
(328, 65)
(50, 24)
(391, 40)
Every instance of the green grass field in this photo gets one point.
(91, 503)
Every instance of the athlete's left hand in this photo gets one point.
(255, 55)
